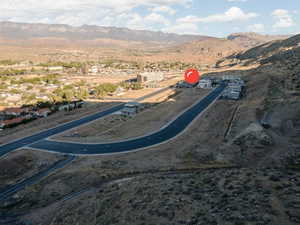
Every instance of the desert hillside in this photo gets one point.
(279, 50)
(250, 40)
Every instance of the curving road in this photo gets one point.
(168, 132)
(38, 141)
(26, 141)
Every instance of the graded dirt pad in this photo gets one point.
(53, 120)
(132, 94)
(162, 109)
(19, 165)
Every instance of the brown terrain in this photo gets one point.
(237, 164)
(44, 42)
(13, 166)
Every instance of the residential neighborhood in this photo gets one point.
(10, 117)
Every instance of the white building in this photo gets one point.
(150, 77)
(94, 70)
(205, 83)
(131, 109)
(55, 68)
(43, 112)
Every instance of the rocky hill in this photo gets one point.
(217, 48)
(210, 49)
(250, 40)
(271, 51)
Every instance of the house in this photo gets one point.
(63, 107)
(233, 92)
(13, 111)
(205, 83)
(15, 121)
(131, 109)
(2, 124)
(152, 84)
(94, 70)
(150, 77)
(42, 112)
(120, 91)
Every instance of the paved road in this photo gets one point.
(4, 194)
(4, 149)
(165, 134)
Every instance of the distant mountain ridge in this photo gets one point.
(123, 43)
(23, 31)
(12, 30)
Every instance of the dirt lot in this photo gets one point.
(160, 110)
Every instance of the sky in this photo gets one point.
(205, 17)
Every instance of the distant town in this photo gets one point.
(29, 91)
(28, 94)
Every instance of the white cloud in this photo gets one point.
(134, 21)
(164, 9)
(131, 20)
(79, 4)
(78, 12)
(259, 28)
(183, 28)
(283, 18)
(155, 18)
(232, 14)
(296, 11)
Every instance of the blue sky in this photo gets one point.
(206, 17)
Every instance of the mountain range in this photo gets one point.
(154, 45)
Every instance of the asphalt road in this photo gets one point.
(4, 149)
(26, 141)
(168, 132)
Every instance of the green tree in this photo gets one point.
(68, 95)
(136, 86)
(15, 91)
(82, 93)
(29, 98)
